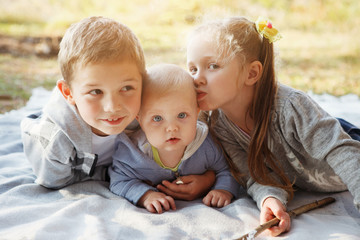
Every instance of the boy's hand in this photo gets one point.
(218, 198)
(156, 202)
(271, 208)
(194, 186)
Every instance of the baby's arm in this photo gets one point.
(218, 198)
(271, 208)
(156, 202)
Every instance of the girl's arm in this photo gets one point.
(271, 208)
(194, 186)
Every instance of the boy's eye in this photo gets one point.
(95, 92)
(127, 88)
(182, 115)
(157, 118)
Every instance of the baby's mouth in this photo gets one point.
(173, 140)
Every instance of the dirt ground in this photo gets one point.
(22, 49)
(22, 46)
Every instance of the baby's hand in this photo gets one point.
(271, 208)
(217, 198)
(156, 202)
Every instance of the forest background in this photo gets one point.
(319, 51)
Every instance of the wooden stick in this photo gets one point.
(293, 213)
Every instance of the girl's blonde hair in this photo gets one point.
(237, 37)
(97, 40)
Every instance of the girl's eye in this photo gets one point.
(157, 118)
(95, 92)
(213, 66)
(182, 115)
(127, 88)
(192, 70)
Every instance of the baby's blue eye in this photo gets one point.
(157, 118)
(182, 115)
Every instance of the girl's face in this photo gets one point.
(218, 84)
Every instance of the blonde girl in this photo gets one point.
(275, 137)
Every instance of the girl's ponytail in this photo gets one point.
(260, 158)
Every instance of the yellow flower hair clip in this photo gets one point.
(267, 30)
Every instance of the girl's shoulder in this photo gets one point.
(288, 97)
(295, 105)
(286, 93)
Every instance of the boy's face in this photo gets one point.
(107, 95)
(169, 121)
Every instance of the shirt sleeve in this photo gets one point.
(317, 136)
(224, 179)
(125, 181)
(53, 158)
(238, 155)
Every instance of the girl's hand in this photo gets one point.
(271, 208)
(218, 198)
(194, 186)
(156, 202)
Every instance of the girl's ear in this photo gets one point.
(254, 73)
(65, 91)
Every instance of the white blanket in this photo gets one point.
(90, 211)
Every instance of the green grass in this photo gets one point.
(319, 51)
(19, 75)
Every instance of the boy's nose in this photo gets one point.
(112, 104)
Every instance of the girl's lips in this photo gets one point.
(200, 95)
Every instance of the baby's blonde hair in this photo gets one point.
(164, 78)
(97, 40)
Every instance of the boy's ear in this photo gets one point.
(254, 73)
(65, 91)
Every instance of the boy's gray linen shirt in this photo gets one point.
(57, 142)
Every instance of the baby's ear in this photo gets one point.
(65, 91)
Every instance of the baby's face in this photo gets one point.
(169, 121)
(107, 95)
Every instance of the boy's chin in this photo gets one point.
(107, 132)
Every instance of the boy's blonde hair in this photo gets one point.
(164, 78)
(97, 40)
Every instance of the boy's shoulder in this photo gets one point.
(58, 122)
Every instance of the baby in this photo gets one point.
(171, 143)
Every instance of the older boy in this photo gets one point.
(72, 140)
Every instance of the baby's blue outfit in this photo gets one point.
(134, 170)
